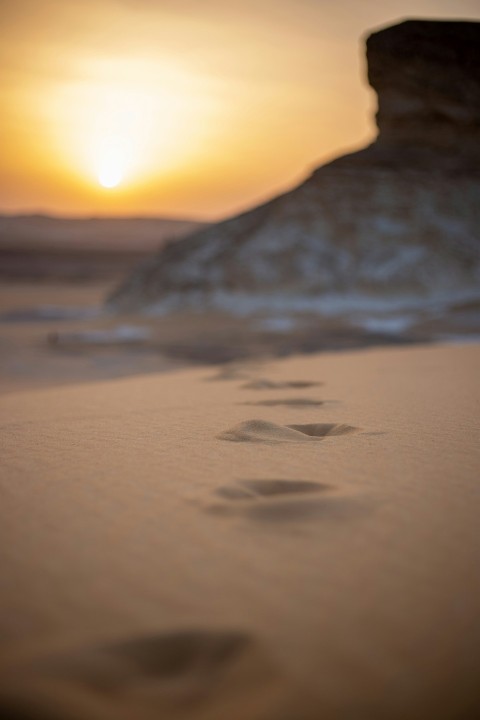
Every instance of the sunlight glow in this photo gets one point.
(109, 178)
(130, 124)
(135, 124)
(112, 160)
(118, 126)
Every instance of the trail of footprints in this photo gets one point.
(180, 673)
(281, 499)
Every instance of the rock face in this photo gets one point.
(398, 221)
(427, 78)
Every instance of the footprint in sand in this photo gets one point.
(287, 402)
(160, 675)
(187, 655)
(262, 431)
(283, 500)
(266, 384)
(248, 489)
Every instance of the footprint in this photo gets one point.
(290, 402)
(156, 676)
(269, 432)
(275, 501)
(184, 654)
(248, 489)
(320, 430)
(266, 384)
(329, 508)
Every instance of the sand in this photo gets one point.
(236, 546)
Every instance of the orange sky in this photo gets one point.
(196, 107)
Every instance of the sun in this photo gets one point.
(130, 122)
(110, 177)
(116, 137)
(112, 158)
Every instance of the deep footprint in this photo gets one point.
(250, 489)
(269, 432)
(182, 653)
(289, 402)
(266, 384)
(320, 430)
(271, 501)
(327, 509)
(190, 656)
(162, 676)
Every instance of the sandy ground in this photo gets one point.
(287, 541)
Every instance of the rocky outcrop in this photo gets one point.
(399, 220)
(427, 78)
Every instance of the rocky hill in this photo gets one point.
(397, 222)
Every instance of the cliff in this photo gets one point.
(399, 220)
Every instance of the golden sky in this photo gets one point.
(193, 108)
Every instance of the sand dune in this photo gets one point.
(152, 570)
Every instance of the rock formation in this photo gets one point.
(398, 221)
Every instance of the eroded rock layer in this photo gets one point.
(399, 219)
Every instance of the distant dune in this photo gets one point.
(91, 233)
(42, 246)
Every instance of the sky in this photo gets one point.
(188, 108)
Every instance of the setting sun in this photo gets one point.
(190, 109)
(115, 129)
(111, 162)
(109, 178)
(110, 175)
